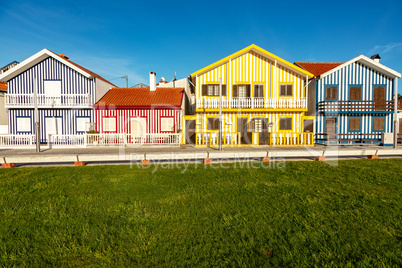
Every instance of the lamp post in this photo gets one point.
(37, 128)
(220, 114)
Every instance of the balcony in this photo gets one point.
(252, 103)
(62, 101)
(355, 106)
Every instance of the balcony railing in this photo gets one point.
(27, 100)
(355, 106)
(252, 103)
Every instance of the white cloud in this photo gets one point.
(111, 69)
(385, 49)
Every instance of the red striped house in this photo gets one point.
(138, 111)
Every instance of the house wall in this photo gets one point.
(355, 74)
(251, 68)
(51, 69)
(101, 88)
(153, 118)
(68, 119)
(72, 82)
(3, 115)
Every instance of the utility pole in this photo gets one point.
(126, 76)
(37, 128)
(220, 114)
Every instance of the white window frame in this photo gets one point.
(83, 124)
(57, 125)
(24, 124)
(167, 124)
(109, 124)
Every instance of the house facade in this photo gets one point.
(140, 112)
(63, 92)
(3, 109)
(353, 101)
(263, 102)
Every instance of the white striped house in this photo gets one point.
(354, 113)
(66, 93)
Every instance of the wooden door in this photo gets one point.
(330, 128)
(190, 132)
(400, 131)
(379, 98)
(242, 128)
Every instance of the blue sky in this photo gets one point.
(117, 38)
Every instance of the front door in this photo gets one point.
(330, 128)
(379, 98)
(138, 128)
(190, 132)
(400, 131)
(53, 126)
(242, 128)
(308, 125)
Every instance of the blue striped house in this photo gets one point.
(65, 94)
(353, 101)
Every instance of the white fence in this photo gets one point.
(10, 141)
(27, 100)
(252, 103)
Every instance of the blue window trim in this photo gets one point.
(337, 92)
(372, 123)
(361, 92)
(76, 124)
(16, 125)
(354, 131)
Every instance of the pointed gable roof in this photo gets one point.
(365, 61)
(42, 55)
(141, 97)
(318, 68)
(259, 51)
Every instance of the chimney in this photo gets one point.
(64, 56)
(152, 81)
(376, 58)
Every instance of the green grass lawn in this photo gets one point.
(306, 214)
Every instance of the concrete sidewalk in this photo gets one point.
(99, 150)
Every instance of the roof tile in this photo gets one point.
(136, 97)
(3, 86)
(318, 68)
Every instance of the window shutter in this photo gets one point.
(216, 124)
(223, 90)
(378, 124)
(256, 91)
(250, 126)
(204, 90)
(248, 91)
(283, 90)
(210, 123)
(235, 91)
(354, 124)
(264, 124)
(261, 91)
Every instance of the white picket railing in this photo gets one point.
(67, 141)
(106, 139)
(27, 100)
(11, 141)
(252, 103)
(123, 138)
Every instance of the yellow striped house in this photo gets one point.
(263, 102)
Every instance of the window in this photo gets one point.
(286, 91)
(23, 124)
(53, 126)
(241, 91)
(213, 90)
(83, 124)
(285, 124)
(109, 124)
(354, 124)
(257, 125)
(167, 124)
(213, 123)
(355, 93)
(378, 124)
(331, 93)
(259, 91)
(52, 88)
